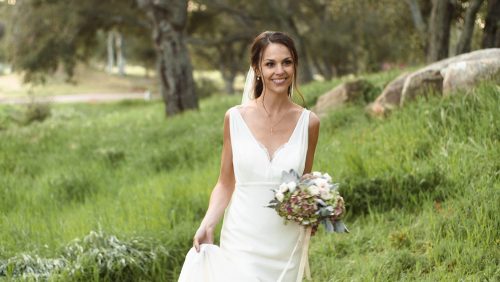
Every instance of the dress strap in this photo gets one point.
(303, 138)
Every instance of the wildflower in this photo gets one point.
(279, 196)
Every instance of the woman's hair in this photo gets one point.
(259, 44)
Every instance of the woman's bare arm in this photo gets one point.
(222, 192)
(312, 141)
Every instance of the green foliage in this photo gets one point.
(421, 189)
(98, 256)
(103, 256)
(46, 35)
(24, 115)
(71, 187)
(29, 267)
(357, 42)
(36, 112)
(205, 87)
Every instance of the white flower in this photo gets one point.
(316, 174)
(291, 186)
(279, 196)
(327, 177)
(313, 189)
(326, 195)
(321, 182)
(283, 188)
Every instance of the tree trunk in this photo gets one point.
(120, 58)
(284, 13)
(416, 14)
(323, 67)
(228, 82)
(169, 19)
(2, 30)
(228, 65)
(110, 51)
(491, 35)
(463, 45)
(439, 30)
(305, 72)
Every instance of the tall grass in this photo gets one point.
(422, 189)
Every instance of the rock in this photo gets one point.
(390, 97)
(455, 73)
(490, 53)
(464, 75)
(422, 83)
(344, 93)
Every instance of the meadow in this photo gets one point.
(115, 192)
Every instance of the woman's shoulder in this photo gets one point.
(242, 109)
(313, 120)
(227, 115)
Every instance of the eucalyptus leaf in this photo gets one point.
(326, 211)
(321, 202)
(307, 182)
(334, 186)
(340, 227)
(290, 176)
(328, 226)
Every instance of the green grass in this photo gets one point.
(422, 189)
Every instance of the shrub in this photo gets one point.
(108, 258)
(205, 87)
(72, 187)
(112, 156)
(36, 112)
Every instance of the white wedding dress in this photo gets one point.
(255, 244)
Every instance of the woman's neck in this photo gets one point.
(273, 104)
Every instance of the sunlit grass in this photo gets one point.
(422, 187)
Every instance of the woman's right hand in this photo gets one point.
(204, 235)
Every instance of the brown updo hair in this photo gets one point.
(259, 44)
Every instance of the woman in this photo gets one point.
(263, 137)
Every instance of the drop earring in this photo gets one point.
(258, 77)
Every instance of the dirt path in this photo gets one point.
(78, 98)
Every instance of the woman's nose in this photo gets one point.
(279, 69)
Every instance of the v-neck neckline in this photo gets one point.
(270, 157)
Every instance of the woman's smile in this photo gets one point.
(279, 81)
(277, 68)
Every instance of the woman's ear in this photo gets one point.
(257, 72)
(257, 75)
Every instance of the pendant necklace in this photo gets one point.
(274, 125)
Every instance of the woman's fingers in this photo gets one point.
(196, 245)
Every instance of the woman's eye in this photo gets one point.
(287, 63)
(269, 64)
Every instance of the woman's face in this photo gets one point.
(277, 67)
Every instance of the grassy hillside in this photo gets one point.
(116, 192)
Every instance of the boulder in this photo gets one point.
(390, 97)
(346, 92)
(422, 83)
(464, 75)
(456, 73)
(481, 54)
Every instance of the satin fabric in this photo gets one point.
(255, 244)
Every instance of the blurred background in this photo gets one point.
(111, 122)
(46, 40)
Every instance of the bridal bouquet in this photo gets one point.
(310, 200)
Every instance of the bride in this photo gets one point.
(263, 137)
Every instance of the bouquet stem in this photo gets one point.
(304, 259)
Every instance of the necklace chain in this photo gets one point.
(275, 124)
